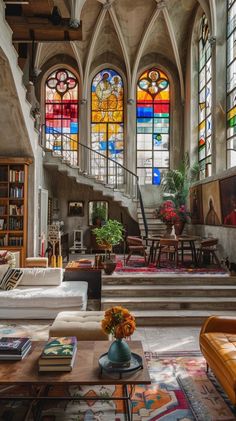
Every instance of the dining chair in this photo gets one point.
(135, 245)
(169, 248)
(207, 251)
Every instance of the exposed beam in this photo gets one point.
(27, 29)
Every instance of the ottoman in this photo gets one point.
(85, 325)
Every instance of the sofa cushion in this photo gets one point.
(11, 279)
(7, 257)
(42, 276)
(68, 294)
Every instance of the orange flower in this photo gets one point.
(119, 322)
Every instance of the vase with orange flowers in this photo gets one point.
(119, 322)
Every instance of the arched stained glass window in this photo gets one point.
(204, 100)
(231, 84)
(107, 126)
(153, 124)
(61, 114)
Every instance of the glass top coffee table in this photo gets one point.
(86, 371)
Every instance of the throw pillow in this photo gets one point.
(11, 279)
(7, 257)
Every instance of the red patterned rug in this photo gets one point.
(137, 265)
(180, 391)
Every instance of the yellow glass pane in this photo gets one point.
(231, 113)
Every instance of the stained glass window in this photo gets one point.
(153, 123)
(204, 100)
(231, 84)
(107, 125)
(61, 114)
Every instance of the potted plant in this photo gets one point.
(107, 236)
(175, 187)
(99, 214)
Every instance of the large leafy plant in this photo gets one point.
(176, 183)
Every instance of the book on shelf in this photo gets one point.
(16, 176)
(59, 367)
(13, 345)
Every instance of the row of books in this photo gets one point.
(58, 354)
(3, 240)
(16, 176)
(15, 224)
(14, 349)
(15, 241)
(3, 210)
(17, 192)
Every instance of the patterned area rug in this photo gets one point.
(180, 391)
(136, 265)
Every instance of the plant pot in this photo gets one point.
(109, 266)
(119, 353)
(179, 227)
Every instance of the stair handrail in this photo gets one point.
(138, 194)
(142, 212)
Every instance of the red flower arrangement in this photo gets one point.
(168, 213)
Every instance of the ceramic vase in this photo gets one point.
(119, 353)
(179, 227)
(168, 231)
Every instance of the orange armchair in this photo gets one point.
(218, 345)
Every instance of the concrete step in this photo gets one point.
(170, 303)
(173, 318)
(166, 279)
(169, 291)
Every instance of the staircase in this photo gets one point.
(155, 226)
(170, 299)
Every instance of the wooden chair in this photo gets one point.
(207, 251)
(135, 245)
(169, 247)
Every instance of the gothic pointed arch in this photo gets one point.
(107, 125)
(153, 125)
(62, 114)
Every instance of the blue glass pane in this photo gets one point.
(73, 128)
(144, 111)
(157, 139)
(156, 175)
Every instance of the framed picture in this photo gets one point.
(196, 204)
(75, 208)
(228, 200)
(211, 203)
(1, 224)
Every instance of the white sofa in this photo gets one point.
(41, 294)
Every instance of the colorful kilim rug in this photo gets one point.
(180, 391)
(137, 266)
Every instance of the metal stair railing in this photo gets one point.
(90, 162)
(93, 164)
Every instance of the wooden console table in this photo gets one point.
(93, 276)
(85, 372)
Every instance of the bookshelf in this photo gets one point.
(13, 205)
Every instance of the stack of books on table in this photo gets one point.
(84, 263)
(58, 354)
(14, 348)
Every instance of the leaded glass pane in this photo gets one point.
(153, 121)
(61, 114)
(231, 84)
(107, 127)
(204, 97)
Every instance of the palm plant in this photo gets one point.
(176, 183)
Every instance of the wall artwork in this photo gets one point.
(196, 204)
(211, 203)
(228, 200)
(75, 208)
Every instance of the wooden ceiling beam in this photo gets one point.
(43, 29)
